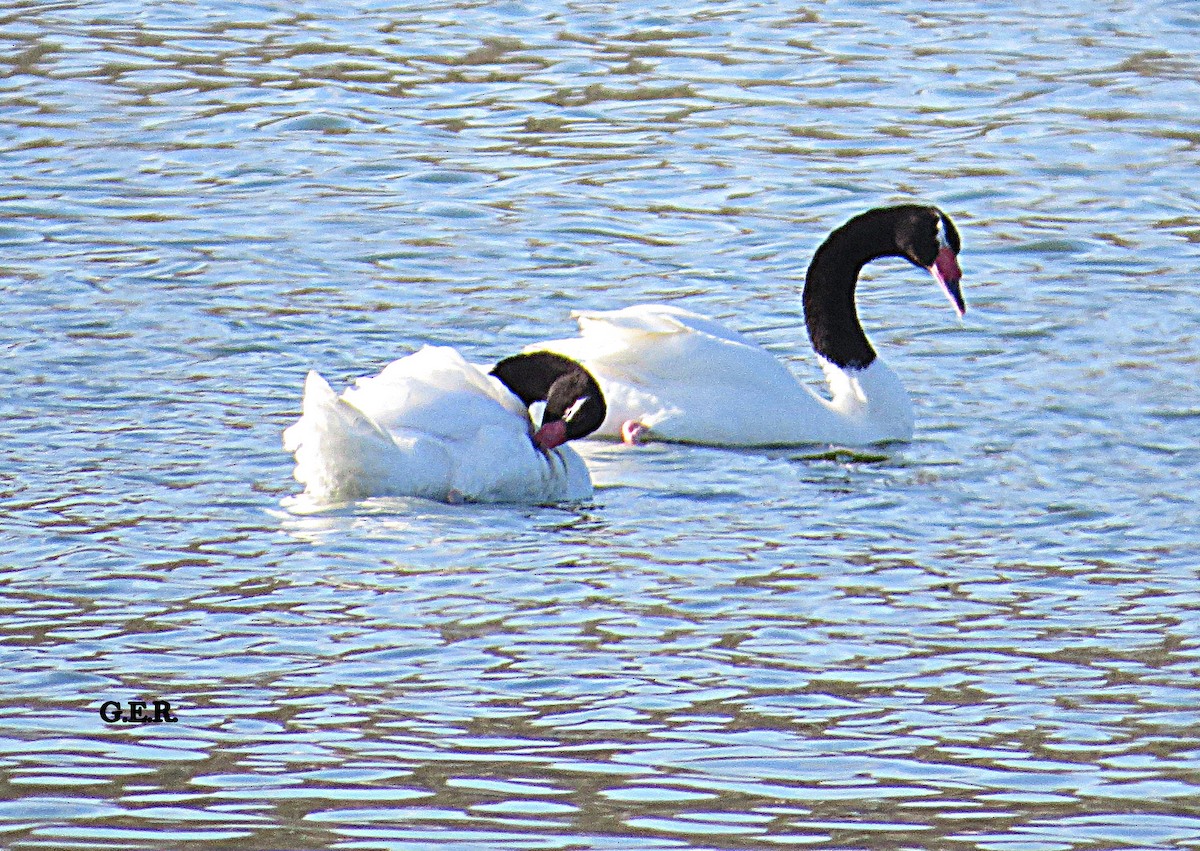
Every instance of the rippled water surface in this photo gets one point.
(985, 638)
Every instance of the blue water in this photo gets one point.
(984, 638)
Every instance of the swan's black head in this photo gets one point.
(574, 404)
(927, 237)
(922, 234)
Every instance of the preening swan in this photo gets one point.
(670, 374)
(433, 425)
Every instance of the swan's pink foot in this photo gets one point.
(633, 432)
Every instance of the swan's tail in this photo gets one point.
(341, 453)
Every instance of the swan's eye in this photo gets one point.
(574, 408)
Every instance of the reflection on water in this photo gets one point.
(981, 639)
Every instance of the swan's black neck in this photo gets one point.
(569, 391)
(829, 310)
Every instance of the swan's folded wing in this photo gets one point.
(440, 366)
(661, 347)
(654, 318)
(687, 377)
(638, 319)
(437, 392)
(611, 334)
(342, 453)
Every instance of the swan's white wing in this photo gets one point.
(652, 318)
(435, 390)
(342, 453)
(690, 378)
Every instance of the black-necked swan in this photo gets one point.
(673, 375)
(433, 425)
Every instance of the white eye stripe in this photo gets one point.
(574, 408)
(941, 233)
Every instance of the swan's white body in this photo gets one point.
(689, 379)
(429, 425)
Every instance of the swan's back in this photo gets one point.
(342, 454)
(435, 391)
(689, 378)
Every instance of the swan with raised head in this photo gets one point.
(433, 425)
(673, 375)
